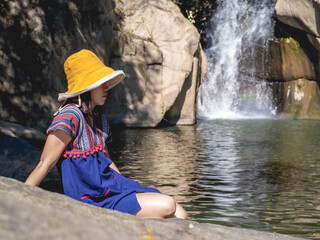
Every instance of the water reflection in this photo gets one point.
(295, 175)
(161, 158)
(239, 184)
(259, 174)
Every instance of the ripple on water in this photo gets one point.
(259, 174)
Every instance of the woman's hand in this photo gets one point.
(56, 143)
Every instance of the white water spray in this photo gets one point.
(235, 85)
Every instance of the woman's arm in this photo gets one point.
(56, 142)
(112, 165)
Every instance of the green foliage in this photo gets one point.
(196, 11)
(191, 17)
(296, 44)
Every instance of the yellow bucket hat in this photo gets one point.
(85, 72)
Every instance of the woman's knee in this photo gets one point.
(168, 205)
(180, 212)
(156, 205)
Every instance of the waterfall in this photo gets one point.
(235, 85)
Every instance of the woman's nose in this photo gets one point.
(105, 88)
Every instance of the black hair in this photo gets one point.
(96, 113)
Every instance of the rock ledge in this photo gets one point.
(32, 213)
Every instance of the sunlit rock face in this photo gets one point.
(151, 41)
(160, 51)
(291, 61)
(295, 59)
(301, 14)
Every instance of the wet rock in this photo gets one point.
(299, 50)
(31, 213)
(299, 99)
(290, 61)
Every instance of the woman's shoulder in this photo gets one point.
(68, 119)
(71, 110)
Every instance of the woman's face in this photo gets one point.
(99, 95)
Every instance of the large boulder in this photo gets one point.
(32, 213)
(160, 51)
(303, 15)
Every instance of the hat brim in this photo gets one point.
(112, 80)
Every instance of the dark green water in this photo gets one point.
(258, 174)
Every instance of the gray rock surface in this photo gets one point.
(30, 135)
(20, 150)
(32, 213)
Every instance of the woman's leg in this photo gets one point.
(180, 212)
(156, 205)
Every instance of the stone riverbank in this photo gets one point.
(33, 213)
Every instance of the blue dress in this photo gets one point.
(84, 168)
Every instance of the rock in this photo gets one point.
(274, 70)
(17, 157)
(301, 14)
(298, 32)
(161, 53)
(31, 135)
(290, 61)
(20, 152)
(299, 99)
(32, 213)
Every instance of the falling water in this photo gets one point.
(235, 85)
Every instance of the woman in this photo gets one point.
(77, 141)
